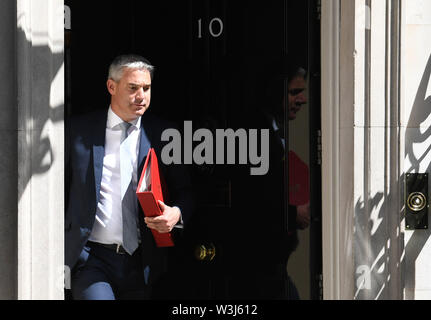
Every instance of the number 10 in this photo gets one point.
(210, 28)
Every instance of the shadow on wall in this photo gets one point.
(379, 244)
(421, 110)
(38, 67)
(32, 109)
(370, 235)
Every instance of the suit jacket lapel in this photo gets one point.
(98, 135)
(144, 146)
(144, 142)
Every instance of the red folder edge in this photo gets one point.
(149, 199)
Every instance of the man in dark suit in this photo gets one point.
(108, 243)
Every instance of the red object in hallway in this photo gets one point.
(298, 180)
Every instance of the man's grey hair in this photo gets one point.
(128, 61)
(300, 72)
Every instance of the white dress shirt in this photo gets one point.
(108, 226)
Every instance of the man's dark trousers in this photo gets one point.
(108, 275)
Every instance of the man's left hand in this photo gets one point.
(303, 216)
(166, 222)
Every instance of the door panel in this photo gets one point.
(212, 61)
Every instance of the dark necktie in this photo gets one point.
(128, 196)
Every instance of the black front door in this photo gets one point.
(215, 62)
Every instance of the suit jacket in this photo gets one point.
(85, 148)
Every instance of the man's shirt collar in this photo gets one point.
(114, 120)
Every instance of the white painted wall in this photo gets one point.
(40, 144)
(360, 151)
(32, 144)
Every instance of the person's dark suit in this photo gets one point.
(84, 164)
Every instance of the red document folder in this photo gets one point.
(298, 180)
(149, 191)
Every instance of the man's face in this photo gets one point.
(130, 97)
(296, 96)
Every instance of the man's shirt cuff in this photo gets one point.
(180, 223)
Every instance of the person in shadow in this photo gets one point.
(263, 218)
